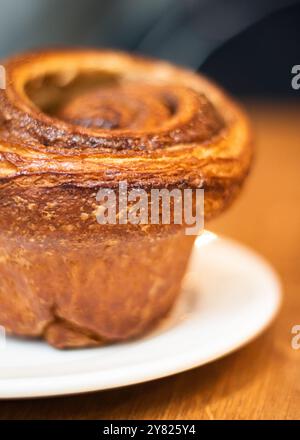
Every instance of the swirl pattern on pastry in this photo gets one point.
(90, 118)
(76, 120)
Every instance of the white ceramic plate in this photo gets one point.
(230, 296)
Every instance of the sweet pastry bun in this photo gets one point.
(74, 121)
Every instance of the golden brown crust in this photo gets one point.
(86, 293)
(77, 120)
(204, 141)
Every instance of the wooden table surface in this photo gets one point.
(262, 380)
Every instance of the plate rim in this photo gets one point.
(85, 382)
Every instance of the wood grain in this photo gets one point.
(261, 381)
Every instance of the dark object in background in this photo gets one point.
(259, 61)
(248, 46)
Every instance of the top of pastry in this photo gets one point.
(89, 117)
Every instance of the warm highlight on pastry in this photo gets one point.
(72, 122)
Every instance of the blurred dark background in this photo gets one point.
(247, 46)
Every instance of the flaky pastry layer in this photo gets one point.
(201, 137)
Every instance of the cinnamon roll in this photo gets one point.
(75, 121)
